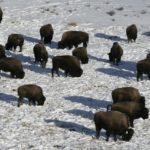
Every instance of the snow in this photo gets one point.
(65, 120)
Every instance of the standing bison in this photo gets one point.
(73, 38)
(40, 54)
(12, 65)
(127, 94)
(81, 54)
(46, 33)
(13, 41)
(2, 51)
(70, 64)
(116, 53)
(114, 122)
(131, 33)
(32, 92)
(143, 67)
(1, 15)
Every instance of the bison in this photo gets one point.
(13, 41)
(12, 65)
(81, 54)
(131, 33)
(40, 54)
(32, 92)
(1, 15)
(127, 94)
(110, 122)
(132, 109)
(70, 64)
(143, 67)
(116, 53)
(2, 51)
(46, 33)
(73, 38)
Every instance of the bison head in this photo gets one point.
(85, 60)
(61, 45)
(127, 136)
(110, 57)
(43, 63)
(42, 100)
(145, 113)
(7, 46)
(76, 72)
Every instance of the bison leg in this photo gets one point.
(30, 102)
(139, 75)
(115, 137)
(131, 122)
(66, 73)
(98, 129)
(15, 48)
(20, 101)
(118, 60)
(107, 135)
(85, 44)
(149, 76)
(20, 48)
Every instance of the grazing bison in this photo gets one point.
(70, 64)
(40, 54)
(12, 65)
(110, 122)
(143, 67)
(132, 109)
(2, 51)
(32, 92)
(81, 54)
(127, 94)
(46, 33)
(131, 33)
(73, 38)
(13, 41)
(1, 15)
(115, 53)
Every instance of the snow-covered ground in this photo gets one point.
(65, 120)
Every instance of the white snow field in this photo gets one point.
(66, 119)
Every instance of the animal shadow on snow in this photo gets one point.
(146, 33)
(87, 101)
(110, 37)
(97, 59)
(53, 45)
(7, 97)
(71, 126)
(31, 39)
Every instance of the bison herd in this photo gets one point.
(128, 104)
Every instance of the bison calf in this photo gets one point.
(131, 33)
(40, 54)
(32, 92)
(46, 33)
(13, 41)
(70, 64)
(12, 65)
(116, 53)
(110, 122)
(73, 38)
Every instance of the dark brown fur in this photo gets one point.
(2, 51)
(70, 64)
(12, 65)
(116, 53)
(81, 54)
(113, 122)
(40, 54)
(73, 38)
(46, 33)
(131, 33)
(13, 41)
(31, 91)
(1, 15)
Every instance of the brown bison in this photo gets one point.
(131, 33)
(13, 41)
(127, 94)
(46, 33)
(12, 65)
(114, 122)
(32, 92)
(70, 64)
(1, 15)
(116, 53)
(73, 38)
(132, 109)
(40, 54)
(143, 67)
(81, 54)
(2, 51)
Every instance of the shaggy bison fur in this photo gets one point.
(73, 38)
(70, 64)
(1, 15)
(81, 54)
(46, 33)
(12, 65)
(13, 41)
(40, 54)
(131, 33)
(132, 109)
(32, 92)
(110, 122)
(2, 51)
(127, 94)
(116, 53)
